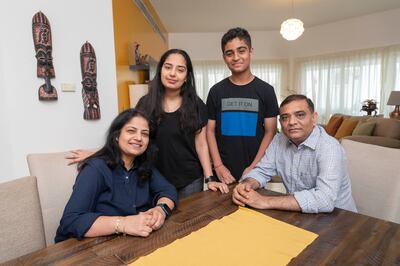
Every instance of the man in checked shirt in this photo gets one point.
(311, 163)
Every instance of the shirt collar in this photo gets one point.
(121, 166)
(311, 141)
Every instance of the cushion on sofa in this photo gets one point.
(346, 128)
(375, 180)
(333, 125)
(374, 140)
(364, 128)
(386, 127)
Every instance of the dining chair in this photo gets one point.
(375, 179)
(21, 224)
(55, 180)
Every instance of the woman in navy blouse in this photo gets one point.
(117, 189)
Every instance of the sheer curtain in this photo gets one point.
(273, 72)
(207, 73)
(390, 75)
(339, 83)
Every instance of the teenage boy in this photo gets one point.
(242, 112)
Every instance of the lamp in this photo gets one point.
(292, 28)
(394, 99)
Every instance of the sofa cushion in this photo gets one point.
(375, 179)
(386, 127)
(346, 128)
(333, 125)
(375, 140)
(364, 128)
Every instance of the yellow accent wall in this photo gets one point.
(130, 26)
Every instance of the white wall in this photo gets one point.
(32, 126)
(207, 46)
(375, 30)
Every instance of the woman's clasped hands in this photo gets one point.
(144, 223)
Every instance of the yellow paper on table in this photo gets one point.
(245, 237)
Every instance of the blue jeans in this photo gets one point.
(194, 187)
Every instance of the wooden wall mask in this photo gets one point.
(41, 32)
(89, 84)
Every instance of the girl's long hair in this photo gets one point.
(151, 103)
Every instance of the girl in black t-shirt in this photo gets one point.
(180, 119)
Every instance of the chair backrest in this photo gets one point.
(55, 181)
(21, 224)
(375, 179)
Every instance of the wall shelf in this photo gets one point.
(145, 67)
(142, 68)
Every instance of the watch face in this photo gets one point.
(167, 208)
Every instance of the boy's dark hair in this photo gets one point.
(298, 97)
(231, 34)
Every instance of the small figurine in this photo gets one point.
(140, 59)
(144, 59)
(137, 53)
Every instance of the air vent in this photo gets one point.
(150, 19)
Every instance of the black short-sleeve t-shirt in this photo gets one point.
(177, 158)
(239, 112)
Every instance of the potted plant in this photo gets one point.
(369, 106)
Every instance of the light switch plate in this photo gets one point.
(68, 87)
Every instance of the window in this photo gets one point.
(340, 83)
(207, 73)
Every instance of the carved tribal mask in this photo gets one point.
(89, 85)
(42, 40)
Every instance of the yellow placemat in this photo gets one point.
(244, 237)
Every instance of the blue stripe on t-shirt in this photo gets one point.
(239, 124)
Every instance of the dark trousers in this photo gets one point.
(194, 187)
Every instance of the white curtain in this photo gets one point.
(207, 73)
(273, 72)
(339, 83)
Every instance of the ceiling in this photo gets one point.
(259, 15)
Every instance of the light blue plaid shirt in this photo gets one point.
(314, 172)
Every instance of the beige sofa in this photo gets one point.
(21, 224)
(386, 131)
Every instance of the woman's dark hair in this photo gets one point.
(152, 105)
(111, 152)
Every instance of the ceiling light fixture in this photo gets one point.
(292, 28)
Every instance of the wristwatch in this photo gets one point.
(210, 178)
(165, 209)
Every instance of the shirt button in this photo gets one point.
(126, 177)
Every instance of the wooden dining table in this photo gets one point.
(345, 238)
